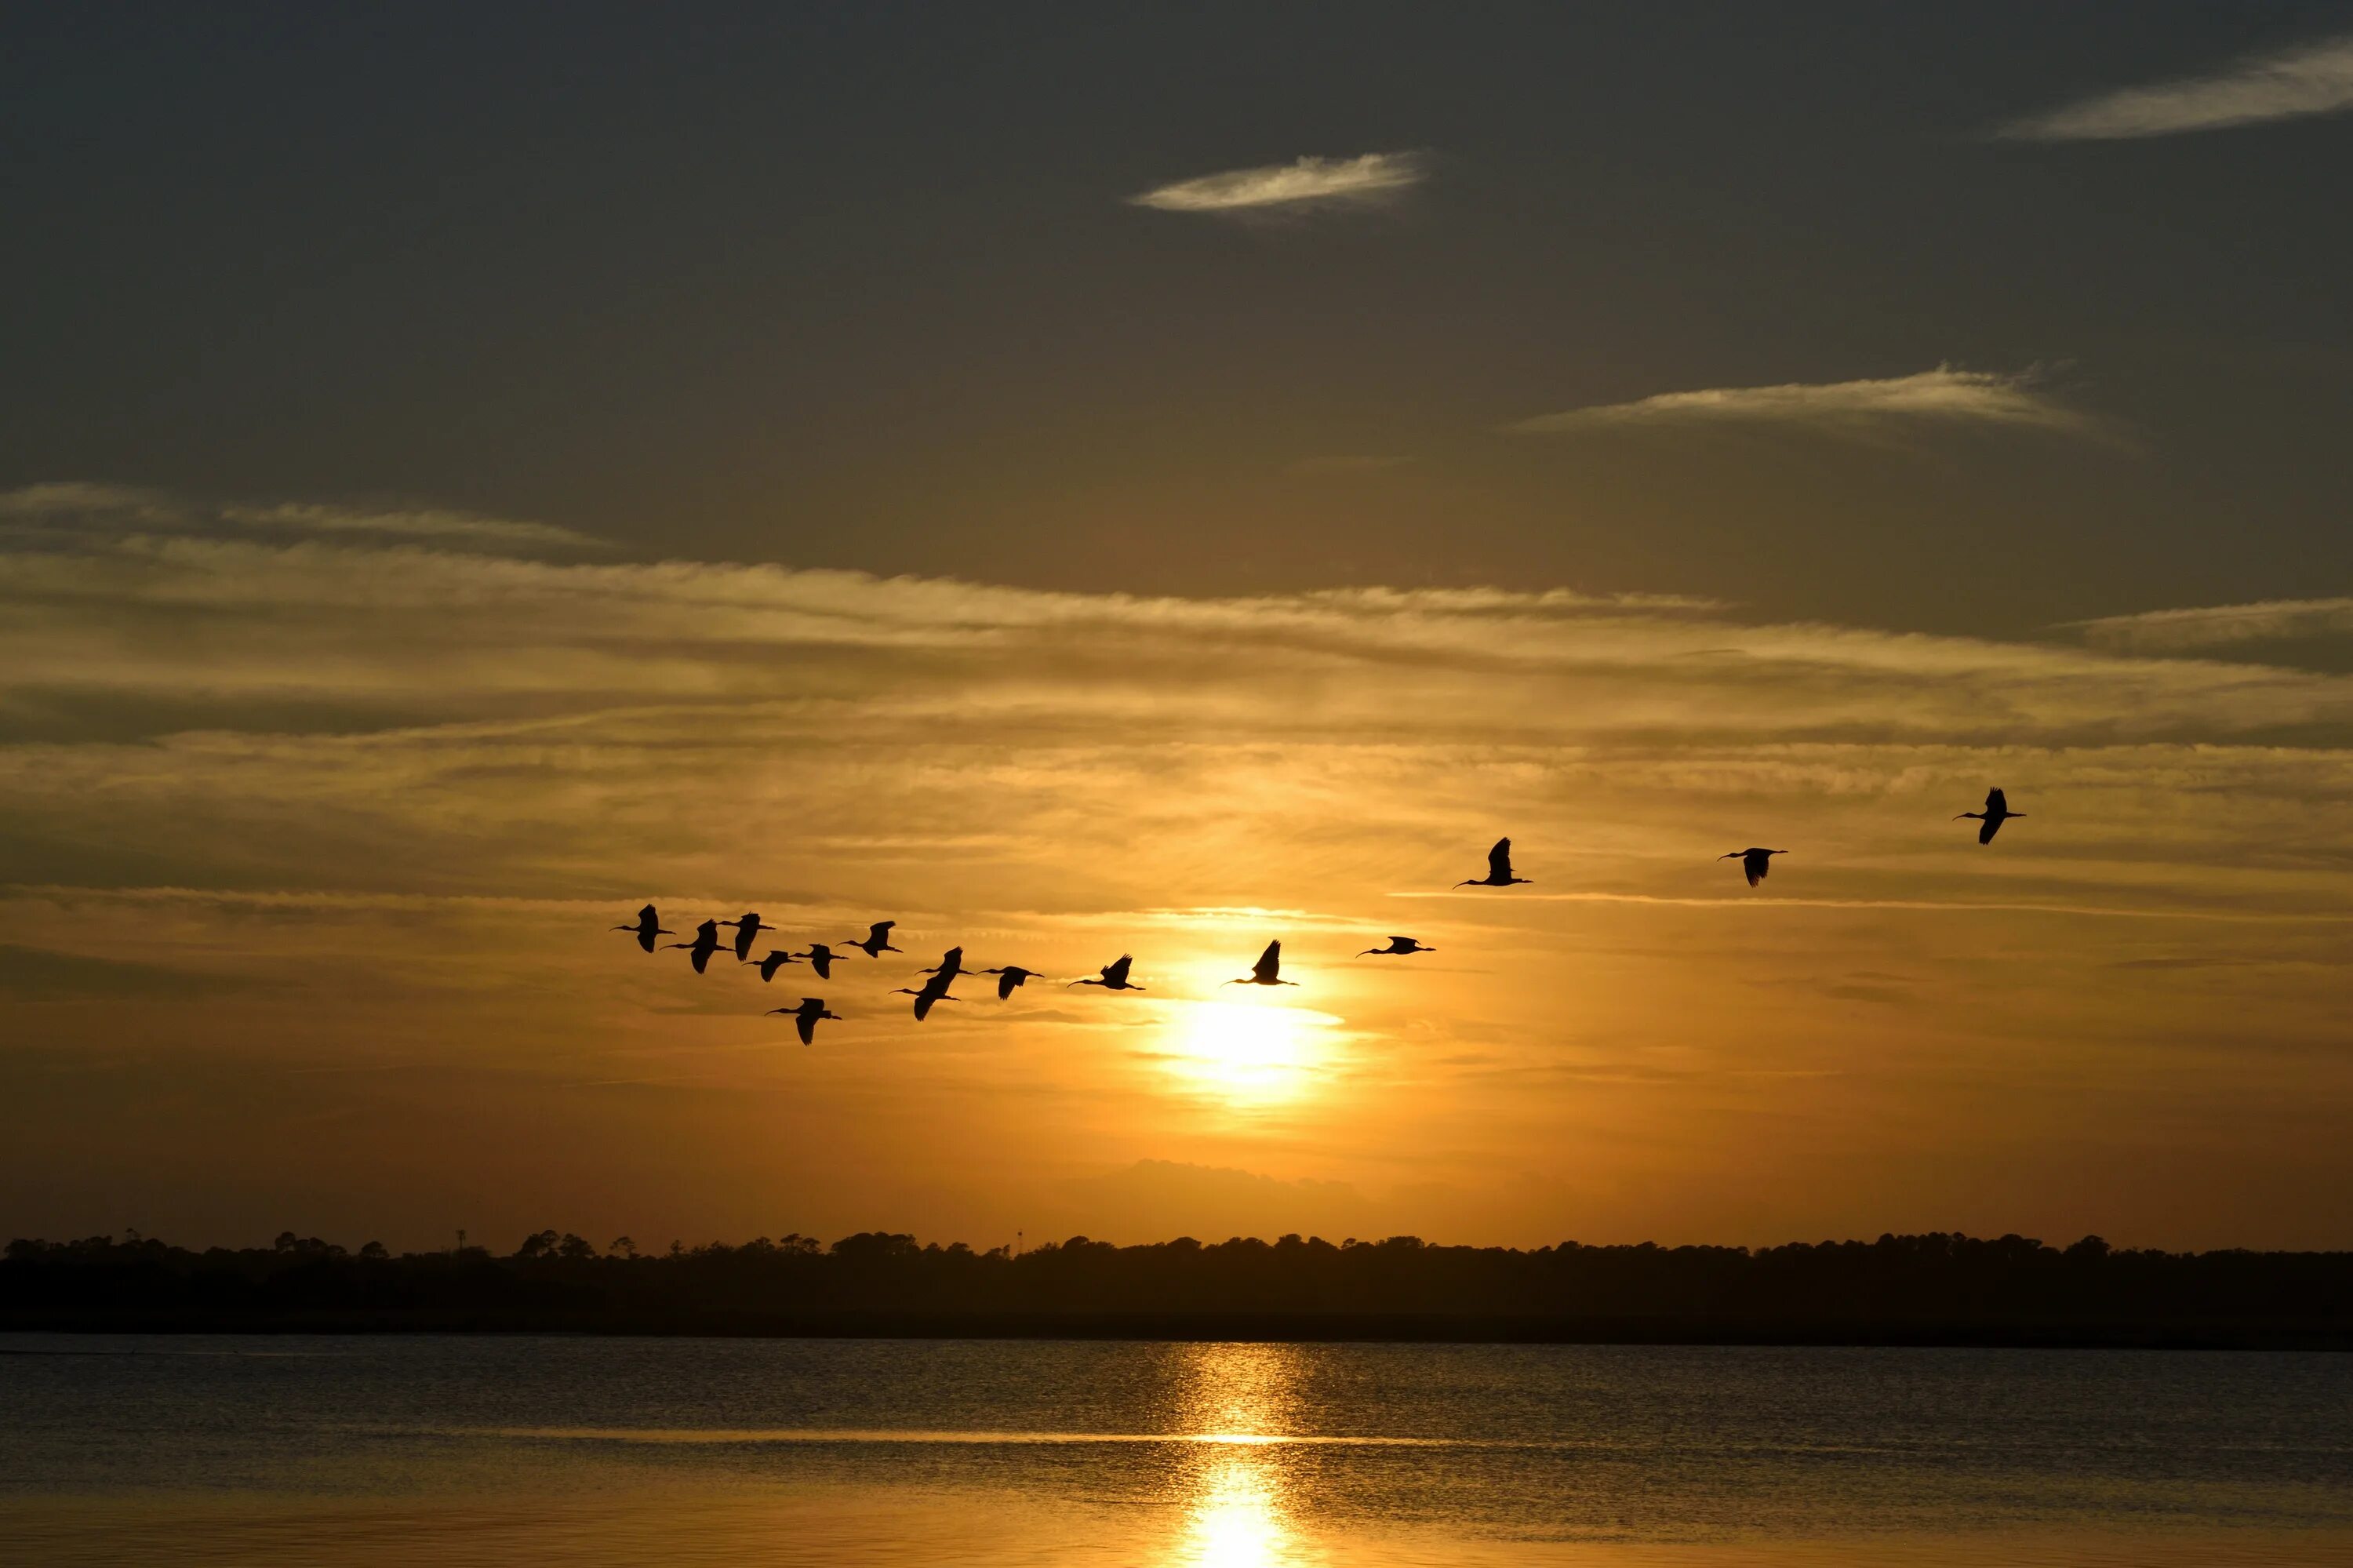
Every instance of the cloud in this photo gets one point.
(1850, 408)
(2317, 79)
(1372, 176)
(1343, 463)
(2217, 626)
(84, 510)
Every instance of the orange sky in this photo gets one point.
(343, 964)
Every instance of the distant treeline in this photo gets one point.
(1926, 1289)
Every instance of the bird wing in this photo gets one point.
(1269, 965)
(1006, 980)
(1116, 974)
(952, 960)
(1992, 825)
(1499, 860)
(1996, 801)
(879, 931)
(806, 1023)
(646, 916)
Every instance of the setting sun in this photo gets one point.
(1250, 1052)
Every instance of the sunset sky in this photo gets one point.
(1077, 484)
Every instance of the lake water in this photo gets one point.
(519, 1451)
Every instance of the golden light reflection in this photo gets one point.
(1239, 1511)
(1248, 1052)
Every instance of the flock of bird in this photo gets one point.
(1268, 972)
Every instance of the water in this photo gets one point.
(516, 1451)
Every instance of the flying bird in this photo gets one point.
(935, 989)
(1398, 946)
(1268, 970)
(777, 959)
(1010, 979)
(1499, 868)
(878, 939)
(745, 929)
(648, 927)
(820, 958)
(705, 943)
(1115, 976)
(806, 1015)
(1997, 812)
(1755, 862)
(951, 964)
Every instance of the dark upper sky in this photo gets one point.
(860, 286)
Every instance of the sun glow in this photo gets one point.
(1250, 1052)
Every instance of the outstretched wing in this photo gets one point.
(1996, 803)
(1992, 826)
(805, 1021)
(880, 932)
(646, 916)
(1499, 861)
(1006, 980)
(1269, 965)
(951, 961)
(1116, 974)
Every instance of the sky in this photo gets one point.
(1082, 484)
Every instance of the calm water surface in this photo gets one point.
(170, 1449)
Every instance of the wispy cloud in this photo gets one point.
(1344, 462)
(1943, 395)
(2317, 79)
(2216, 626)
(1308, 180)
(84, 510)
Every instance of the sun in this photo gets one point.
(1250, 1053)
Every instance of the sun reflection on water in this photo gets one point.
(1238, 1507)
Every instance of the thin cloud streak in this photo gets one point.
(1767, 902)
(1940, 395)
(82, 511)
(2218, 626)
(2294, 84)
(1318, 181)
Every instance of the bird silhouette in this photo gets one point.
(647, 927)
(951, 964)
(1755, 862)
(1115, 976)
(705, 943)
(821, 959)
(1996, 813)
(745, 929)
(777, 959)
(934, 990)
(1010, 979)
(878, 939)
(1398, 946)
(1498, 869)
(1268, 970)
(806, 1015)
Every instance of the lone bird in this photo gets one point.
(806, 1015)
(1398, 946)
(1755, 862)
(1010, 979)
(820, 958)
(705, 943)
(951, 964)
(1268, 970)
(935, 989)
(648, 925)
(1499, 868)
(878, 939)
(777, 959)
(1996, 813)
(1115, 976)
(745, 929)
